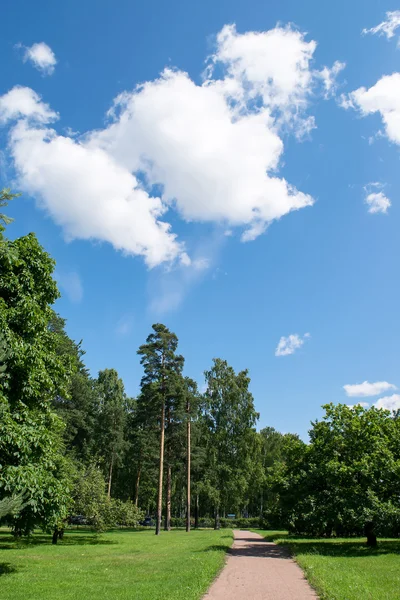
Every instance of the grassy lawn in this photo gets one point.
(117, 565)
(345, 569)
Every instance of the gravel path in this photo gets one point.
(259, 570)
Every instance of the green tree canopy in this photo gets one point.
(230, 418)
(347, 477)
(31, 451)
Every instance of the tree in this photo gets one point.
(78, 408)
(31, 448)
(192, 407)
(5, 197)
(111, 420)
(11, 505)
(347, 480)
(230, 419)
(270, 456)
(3, 357)
(139, 472)
(162, 368)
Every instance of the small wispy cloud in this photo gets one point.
(291, 343)
(365, 389)
(41, 56)
(70, 282)
(388, 27)
(124, 325)
(170, 286)
(375, 199)
(329, 75)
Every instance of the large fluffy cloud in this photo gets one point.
(212, 149)
(90, 195)
(24, 102)
(213, 167)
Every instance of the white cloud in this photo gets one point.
(389, 402)
(288, 345)
(212, 163)
(71, 284)
(23, 102)
(41, 56)
(213, 150)
(252, 58)
(383, 97)
(328, 77)
(376, 200)
(387, 27)
(90, 195)
(365, 389)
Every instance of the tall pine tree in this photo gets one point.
(162, 372)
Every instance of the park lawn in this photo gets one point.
(117, 565)
(345, 568)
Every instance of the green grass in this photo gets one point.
(117, 565)
(345, 568)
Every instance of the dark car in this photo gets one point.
(78, 520)
(147, 522)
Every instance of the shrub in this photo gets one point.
(240, 523)
(101, 512)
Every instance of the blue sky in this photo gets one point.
(290, 139)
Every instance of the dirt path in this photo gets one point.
(259, 570)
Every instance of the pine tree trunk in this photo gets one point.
(110, 477)
(188, 471)
(167, 525)
(196, 513)
(161, 469)
(137, 486)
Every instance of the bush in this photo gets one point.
(240, 523)
(206, 522)
(121, 514)
(102, 513)
(179, 522)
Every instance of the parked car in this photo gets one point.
(147, 522)
(78, 520)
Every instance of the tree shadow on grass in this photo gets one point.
(339, 548)
(8, 542)
(130, 529)
(252, 549)
(7, 569)
(275, 537)
(214, 548)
